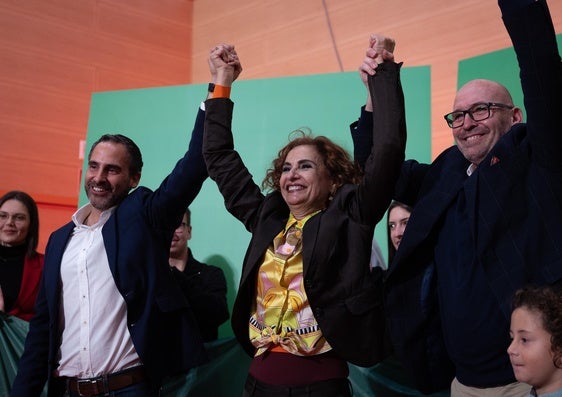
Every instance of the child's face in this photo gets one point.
(530, 352)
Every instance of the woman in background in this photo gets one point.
(20, 264)
(397, 219)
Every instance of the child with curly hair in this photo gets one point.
(536, 348)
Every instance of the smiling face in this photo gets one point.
(14, 223)
(108, 178)
(305, 183)
(397, 220)
(475, 139)
(531, 352)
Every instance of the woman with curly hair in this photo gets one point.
(308, 301)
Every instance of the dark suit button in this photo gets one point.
(307, 283)
(318, 313)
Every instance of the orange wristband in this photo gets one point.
(221, 91)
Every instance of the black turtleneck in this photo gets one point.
(11, 273)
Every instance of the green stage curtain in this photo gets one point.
(13, 331)
(222, 376)
(225, 373)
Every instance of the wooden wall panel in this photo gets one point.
(31, 104)
(29, 69)
(68, 12)
(53, 55)
(110, 79)
(143, 30)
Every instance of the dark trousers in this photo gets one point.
(326, 388)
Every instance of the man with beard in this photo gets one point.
(109, 316)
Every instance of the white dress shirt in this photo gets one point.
(95, 339)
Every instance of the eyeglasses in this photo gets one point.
(477, 112)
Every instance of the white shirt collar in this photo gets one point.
(471, 168)
(79, 217)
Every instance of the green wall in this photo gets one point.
(160, 121)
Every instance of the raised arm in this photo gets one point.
(242, 196)
(530, 27)
(382, 167)
(380, 49)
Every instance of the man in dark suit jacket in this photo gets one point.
(203, 285)
(109, 316)
(485, 222)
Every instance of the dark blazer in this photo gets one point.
(137, 240)
(204, 287)
(516, 206)
(344, 296)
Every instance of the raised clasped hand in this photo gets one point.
(224, 64)
(381, 48)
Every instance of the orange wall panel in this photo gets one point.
(53, 55)
(146, 30)
(33, 105)
(111, 79)
(69, 12)
(31, 69)
(51, 217)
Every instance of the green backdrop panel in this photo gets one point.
(160, 121)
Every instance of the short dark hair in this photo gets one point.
(32, 238)
(547, 302)
(135, 155)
